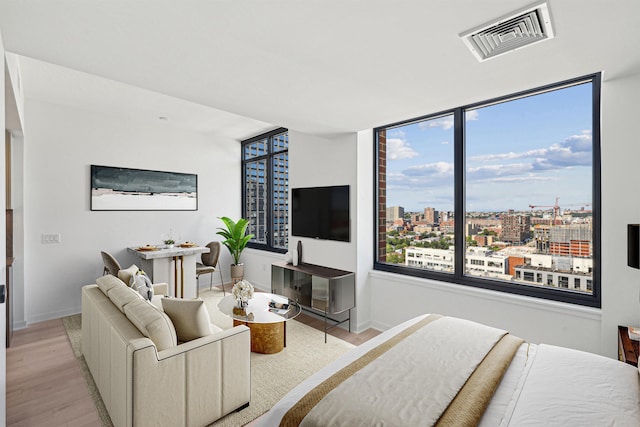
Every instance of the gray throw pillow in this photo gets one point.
(141, 283)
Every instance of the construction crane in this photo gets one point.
(556, 209)
(557, 218)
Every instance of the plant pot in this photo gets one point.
(237, 271)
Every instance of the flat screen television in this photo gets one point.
(321, 213)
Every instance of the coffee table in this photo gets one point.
(268, 325)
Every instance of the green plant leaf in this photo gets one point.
(235, 236)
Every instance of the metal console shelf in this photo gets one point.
(322, 290)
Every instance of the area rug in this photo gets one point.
(272, 375)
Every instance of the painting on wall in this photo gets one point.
(123, 189)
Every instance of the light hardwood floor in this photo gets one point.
(45, 386)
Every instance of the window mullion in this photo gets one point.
(269, 196)
(459, 196)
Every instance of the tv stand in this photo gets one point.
(321, 290)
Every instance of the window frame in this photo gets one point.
(269, 194)
(458, 276)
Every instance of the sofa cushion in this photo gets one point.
(120, 296)
(126, 273)
(189, 317)
(152, 323)
(108, 282)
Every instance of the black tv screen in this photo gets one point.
(321, 212)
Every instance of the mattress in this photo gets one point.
(544, 385)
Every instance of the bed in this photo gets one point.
(438, 370)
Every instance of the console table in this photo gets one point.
(322, 290)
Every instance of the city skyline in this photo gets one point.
(518, 153)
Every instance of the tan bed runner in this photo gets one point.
(474, 397)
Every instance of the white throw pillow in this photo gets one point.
(189, 317)
(125, 274)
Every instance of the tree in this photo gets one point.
(395, 258)
(487, 232)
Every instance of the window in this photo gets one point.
(507, 189)
(265, 189)
(563, 282)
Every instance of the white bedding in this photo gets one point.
(544, 386)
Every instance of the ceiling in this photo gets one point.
(237, 68)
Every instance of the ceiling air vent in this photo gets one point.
(519, 29)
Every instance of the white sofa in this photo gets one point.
(147, 378)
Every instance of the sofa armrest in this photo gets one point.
(161, 289)
(208, 378)
(230, 334)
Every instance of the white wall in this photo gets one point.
(316, 161)
(620, 205)
(15, 113)
(395, 299)
(365, 227)
(59, 147)
(17, 204)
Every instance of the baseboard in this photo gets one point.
(19, 325)
(53, 315)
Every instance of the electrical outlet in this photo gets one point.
(51, 238)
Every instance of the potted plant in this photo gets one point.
(235, 241)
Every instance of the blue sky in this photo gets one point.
(520, 153)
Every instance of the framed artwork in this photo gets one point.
(123, 189)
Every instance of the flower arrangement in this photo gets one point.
(242, 291)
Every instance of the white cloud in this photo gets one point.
(471, 115)
(493, 171)
(396, 133)
(431, 170)
(445, 143)
(399, 149)
(446, 122)
(422, 177)
(581, 142)
(510, 155)
(575, 150)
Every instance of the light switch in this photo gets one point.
(51, 238)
